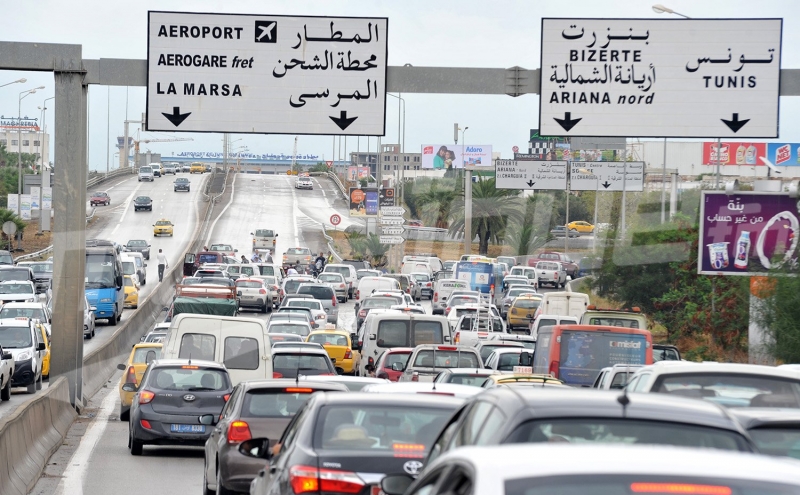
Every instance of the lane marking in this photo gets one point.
(230, 202)
(72, 479)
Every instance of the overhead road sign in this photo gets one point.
(392, 230)
(391, 239)
(660, 78)
(266, 74)
(392, 211)
(607, 176)
(512, 174)
(392, 220)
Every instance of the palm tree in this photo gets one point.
(436, 203)
(493, 210)
(376, 249)
(533, 232)
(357, 242)
(10, 216)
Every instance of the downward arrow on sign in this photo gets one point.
(343, 122)
(567, 123)
(735, 124)
(176, 117)
(606, 184)
(531, 183)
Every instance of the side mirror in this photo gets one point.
(145, 265)
(235, 250)
(276, 235)
(398, 367)
(257, 448)
(8, 355)
(372, 337)
(93, 308)
(129, 387)
(121, 367)
(206, 419)
(41, 347)
(252, 233)
(396, 484)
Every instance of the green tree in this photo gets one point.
(10, 216)
(533, 232)
(492, 211)
(435, 203)
(376, 250)
(319, 167)
(778, 313)
(358, 245)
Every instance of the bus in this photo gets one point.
(103, 280)
(577, 353)
(480, 275)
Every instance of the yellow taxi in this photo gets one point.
(141, 355)
(339, 348)
(46, 359)
(131, 293)
(517, 379)
(197, 168)
(162, 227)
(522, 310)
(581, 226)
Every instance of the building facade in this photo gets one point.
(26, 135)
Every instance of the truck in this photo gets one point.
(216, 300)
(264, 239)
(569, 266)
(427, 360)
(565, 303)
(628, 318)
(550, 273)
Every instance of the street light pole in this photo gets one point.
(44, 129)
(22, 95)
(467, 197)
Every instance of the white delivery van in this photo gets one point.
(528, 272)
(442, 290)
(146, 173)
(368, 285)
(436, 263)
(549, 321)
(264, 239)
(387, 329)
(238, 343)
(416, 266)
(563, 304)
(349, 274)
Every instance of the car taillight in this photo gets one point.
(262, 291)
(447, 311)
(457, 338)
(362, 313)
(371, 361)
(131, 376)
(238, 431)
(226, 397)
(348, 354)
(341, 286)
(146, 424)
(415, 377)
(305, 479)
(428, 285)
(358, 294)
(146, 396)
(275, 374)
(554, 365)
(333, 299)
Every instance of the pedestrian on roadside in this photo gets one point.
(162, 264)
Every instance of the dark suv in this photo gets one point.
(138, 246)
(143, 203)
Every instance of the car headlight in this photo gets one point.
(23, 356)
(105, 300)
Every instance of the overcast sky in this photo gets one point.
(444, 33)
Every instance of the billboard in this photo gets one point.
(747, 233)
(35, 194)
(734, 153)
(25, 206)
(449, 156)
(364, 202)
(784, 154)
(357, 173)
(13, 202)
(47, 198)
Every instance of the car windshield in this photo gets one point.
(732, 389)
(274, 402)
(15, 337)
(627, 431)
(128, 267)
(16, 289)
(330, 277)
(137, 243)
(302, 330)
(163, 222)
(408, 431)
(188, 378)
(445, 359)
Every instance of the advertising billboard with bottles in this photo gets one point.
(734, 153)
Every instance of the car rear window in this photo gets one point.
(380, 302)
(12, 312)
(273, 339)
(627, 431)
(140, 354)
(328, 339)
(266, 270)
(14, 275)
(396, 357)
(301, 330)
(445, 359)
(188, 378)
(319, 292)
(265, 233)
(301, 362)
(274, 402)
(207, 258)
(732, 389)
(307, 303)
(329, 277)
(471, 380)
(297, 251)
(241, 353)
(408, 431)
(249, 284)
(526, 303)
(624, 484)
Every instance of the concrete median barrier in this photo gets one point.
(30, 435)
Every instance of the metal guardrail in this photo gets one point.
(339, 185)
(37, 254)
(98, 178)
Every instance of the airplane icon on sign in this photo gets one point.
(266, 31)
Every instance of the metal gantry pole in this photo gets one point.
(664, 183)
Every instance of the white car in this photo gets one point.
(304, 183)
(726, 384)
(253, 292)
(33, 310)
(21, 291)
(7, 364)
(316, 307)
(337, 282)
(545, 468)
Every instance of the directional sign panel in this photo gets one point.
(266, 74)
(391, 239)
(511, 174)
(660, 78)
(392, 211)
(392, 220)
(607, 176)
(392, 230)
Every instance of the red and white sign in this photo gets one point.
(329, 163)
(336, 219)
(734, 153)
(515, 149)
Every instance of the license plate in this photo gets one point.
(187, 428)
(249, 297)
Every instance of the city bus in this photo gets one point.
(577, 353)
(480, 275)
(103, 280)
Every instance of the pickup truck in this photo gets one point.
(569, 266)
(7, 364)
(615, 377)
(427, 361)
(551, 273)
(468, 332)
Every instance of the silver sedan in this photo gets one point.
(335, 281)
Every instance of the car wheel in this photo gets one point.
(5, 394)
(124, 413)
(187, 189)
(113, 320)
(136, 446)
(264, 308)
(92, 332)
(135, 306)
(31, 389)
(89, 336)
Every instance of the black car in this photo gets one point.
(257, 408)
(346, 443)
(288, 362)
(532, 414)
(181, 184)
(138, 246)
(177, 403)
(142, 203)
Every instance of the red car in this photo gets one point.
(383, 368)
(100, 198)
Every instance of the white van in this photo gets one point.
(141, 266)
(368, 285)
(271, 270)
(549, 321)
(264, 239)
(146, 173)
(563, 304)
(526, 271)
(384, 330)
(436, 263)
(349, 274)
(412, 266)
(442, 290)
(238, 343)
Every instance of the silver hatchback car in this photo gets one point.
(325, 295)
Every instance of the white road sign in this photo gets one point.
(391, 239)
(660, 78)
(392, 230)
(511, 174)
(392, 211)
(266, 74)
(393, 220)
(607, 176)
